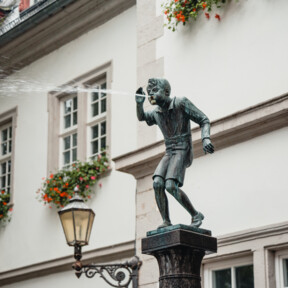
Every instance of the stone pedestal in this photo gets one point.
(179, 250)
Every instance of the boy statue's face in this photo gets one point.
(156, 94)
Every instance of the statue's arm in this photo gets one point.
(200, 118)
(141, 114)
(139, 104)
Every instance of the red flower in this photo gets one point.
(207, 15)
(166, 12)
(93, 177)
(204, 5)
(51, 176)
(100, 185)
(2, 192)
(87, 186)
(4, 203)
(194, 10)
(11, 209)
(217, 16)
(176, 1)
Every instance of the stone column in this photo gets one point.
(179, 250)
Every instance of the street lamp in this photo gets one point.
(77, 220)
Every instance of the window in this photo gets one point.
(281, 265)
(234, 277)
(237, 273)
(7, 137)
(79, 123)
(68, 134)
(6, 152)
(97, 120)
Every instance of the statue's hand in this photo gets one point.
(207, 146)
(138, 98)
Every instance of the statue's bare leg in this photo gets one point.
(161, 200)
(172, 187)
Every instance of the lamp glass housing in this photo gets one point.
(77, 220)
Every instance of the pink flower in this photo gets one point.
(93, 177)
(100, 185)
(81, 178)
(87, 186)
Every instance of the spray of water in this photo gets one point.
(17, 87)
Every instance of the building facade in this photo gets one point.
(234, 70)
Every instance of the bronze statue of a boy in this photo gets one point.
(173, 116)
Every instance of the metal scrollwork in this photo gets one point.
(116, 275)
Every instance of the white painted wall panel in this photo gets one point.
(240, 187)
(226, 66)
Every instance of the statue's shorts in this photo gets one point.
(174, 162)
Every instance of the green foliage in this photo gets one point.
(58, 188)
(181, 11)
(5, 208)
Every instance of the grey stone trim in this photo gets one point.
(149, 29)
(253, 234)
(238, 127)
(101, 255)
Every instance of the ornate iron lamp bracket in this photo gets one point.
(116, 275)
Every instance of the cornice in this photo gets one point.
(52, 27)
(101, 255)
(253, 234)
(238, 127)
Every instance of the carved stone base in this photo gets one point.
(179, 251)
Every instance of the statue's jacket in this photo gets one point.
(175, 124)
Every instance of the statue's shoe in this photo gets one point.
(197, 220)
(164, 224)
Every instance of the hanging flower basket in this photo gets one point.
(5, 208)
(58, 188)
(182, 11)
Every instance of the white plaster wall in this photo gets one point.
(240, 187)
(226, 66)
(34, 234)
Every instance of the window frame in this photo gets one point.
(279, 256)
(96, 120)
(9, 118)
(232, 263)
(83, 121)
(65, 132)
